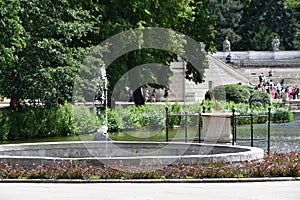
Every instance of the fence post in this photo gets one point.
(185, 127)
(233, 127)
(269, 126)
(167, 124)
(199, 127)
(251, 128)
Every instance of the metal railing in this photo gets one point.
(234, 118)
(251, 139)
(184, 125)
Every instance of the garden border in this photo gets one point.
(204, 180)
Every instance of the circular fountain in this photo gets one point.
(125, 153)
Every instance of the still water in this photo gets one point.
(285, 137)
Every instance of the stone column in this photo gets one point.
(217, 127)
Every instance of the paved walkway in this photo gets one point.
(288, 190)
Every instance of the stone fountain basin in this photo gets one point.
(126, 153)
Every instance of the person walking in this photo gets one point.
(153, 96)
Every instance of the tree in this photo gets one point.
(11, 42)
(262, 21)
(227, 15)
(57, 38)
(292, 3)
(60, 34)
(186, 16)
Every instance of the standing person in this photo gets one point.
(153, 96)
(289, 91)
(260, 77)
(166, 93)
(270, 73)
(279, 88)
(297, 92)
(264, 80)
(130, 95)
(294, 92)
(147, 96)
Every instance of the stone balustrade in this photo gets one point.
(259, 55)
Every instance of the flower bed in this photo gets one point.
(275, 165)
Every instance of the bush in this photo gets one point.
(282, 115)
(86, 119)
(133, 117)
(37, 122)
(258, 98)
(234, 92)
(238, 94)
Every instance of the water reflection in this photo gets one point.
(285, 137)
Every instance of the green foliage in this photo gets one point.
(263, 20)
(228, 16)
(292, 3)
(238, 94)
(153, 116)
(234, 92)
(282, 115)
(37, 122)
(43, 43)
(85, 119)
(133, 117)
(258, 98)
(175, 109)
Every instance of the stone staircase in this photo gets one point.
(290, 75)
(294, 107)
(284, 65)
(218, 73)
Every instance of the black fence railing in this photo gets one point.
(185, 125)
(252, 139)
(234, 117)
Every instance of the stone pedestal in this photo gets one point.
(217, 127)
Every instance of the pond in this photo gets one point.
(285, 137)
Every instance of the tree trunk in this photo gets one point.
(138, 97)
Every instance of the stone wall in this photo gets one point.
(218, 73)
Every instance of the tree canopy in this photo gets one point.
(43, 43)
(57, 35)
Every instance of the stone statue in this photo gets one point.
(275, 44)
(226, 45)
(101, 134)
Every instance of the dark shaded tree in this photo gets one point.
(263, 20)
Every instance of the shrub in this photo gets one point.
(175, 109)
(132, 117)
(258, 98)
(234, 92)
(153, 116)
(37, 122)
(282, 115)
(86, 119)
(238, 94)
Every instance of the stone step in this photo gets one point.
(296, 114)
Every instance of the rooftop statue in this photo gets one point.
(275, 44)
(226, 45)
